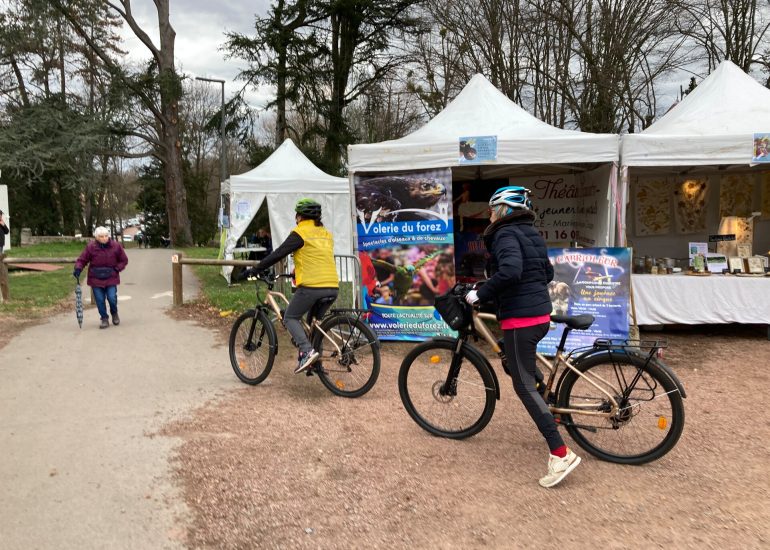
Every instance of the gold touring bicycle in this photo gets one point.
(616, 399)
(349, 360)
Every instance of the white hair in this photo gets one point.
(101, 231)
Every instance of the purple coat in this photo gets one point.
(105, 263)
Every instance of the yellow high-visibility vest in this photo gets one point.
(314, 262)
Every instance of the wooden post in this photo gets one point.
(176, 278)
(4, 289)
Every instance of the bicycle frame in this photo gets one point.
(271, 302)
(552, 366)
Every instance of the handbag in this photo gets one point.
(102, 273)
(453, 310)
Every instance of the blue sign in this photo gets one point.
(594, 281)
(405, 243)
(477, 149)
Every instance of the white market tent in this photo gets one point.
(709, 133)
(526, 146)
(283, 178)
(713, 125)
(706, 137)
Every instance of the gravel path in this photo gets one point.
(80, 466)
(286, 465)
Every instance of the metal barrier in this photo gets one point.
(348, 274)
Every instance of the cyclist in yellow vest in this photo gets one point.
(315, 273)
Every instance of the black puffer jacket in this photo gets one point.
(520, 269)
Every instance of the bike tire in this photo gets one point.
(421, 378)
(252, 358)
(653, 419)
(355, 371)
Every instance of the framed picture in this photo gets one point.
(716, 262)
(735, 264)
(744, 250)
(756, 265)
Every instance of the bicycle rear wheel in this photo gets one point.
(651, 415)
(349, 363)
(253, 344)
(456, 410)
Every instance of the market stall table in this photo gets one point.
(691, 300)
(244, 251)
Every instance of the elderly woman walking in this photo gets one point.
(106, 259)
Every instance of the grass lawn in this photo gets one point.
(35, 293)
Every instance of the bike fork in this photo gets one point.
(450, 385)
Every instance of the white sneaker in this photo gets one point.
(559, 468)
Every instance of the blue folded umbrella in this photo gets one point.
(79, 304)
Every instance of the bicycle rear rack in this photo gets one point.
(646, 348)
(358, 313)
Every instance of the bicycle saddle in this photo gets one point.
(578, 322)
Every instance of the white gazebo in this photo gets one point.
(682, 179)
(283, 178)
(526, 147)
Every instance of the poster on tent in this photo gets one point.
(567, 208)
(594, 281)
(477, 149)
(405, 242)
(761, 147)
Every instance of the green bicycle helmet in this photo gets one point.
(308, 208)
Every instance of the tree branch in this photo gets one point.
(146, 100)
(138, 31)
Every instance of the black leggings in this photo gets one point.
(520, 349)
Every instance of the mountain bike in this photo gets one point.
(349, 351)
(616, 398)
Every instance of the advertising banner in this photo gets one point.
(567, 207)
(594, 281)
(405, 242)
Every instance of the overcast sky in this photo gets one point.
(200, 26)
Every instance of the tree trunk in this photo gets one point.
(176, 195)
(170, 91)
(280, 100)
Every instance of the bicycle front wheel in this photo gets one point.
(650, 418)
(253, 345)
(456, 408)
(349, 361)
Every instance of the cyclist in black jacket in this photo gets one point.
(518, 285)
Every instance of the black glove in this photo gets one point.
(76, 272)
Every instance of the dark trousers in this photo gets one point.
(304, 298)
(520, 349)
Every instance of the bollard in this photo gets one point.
(176, 278)
(4, 288)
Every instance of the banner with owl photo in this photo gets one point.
(406, 247)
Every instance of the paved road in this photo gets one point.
(79, 466)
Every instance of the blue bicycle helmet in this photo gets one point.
(513, 196)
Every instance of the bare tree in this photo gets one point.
(726, 29)
(161, 99)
